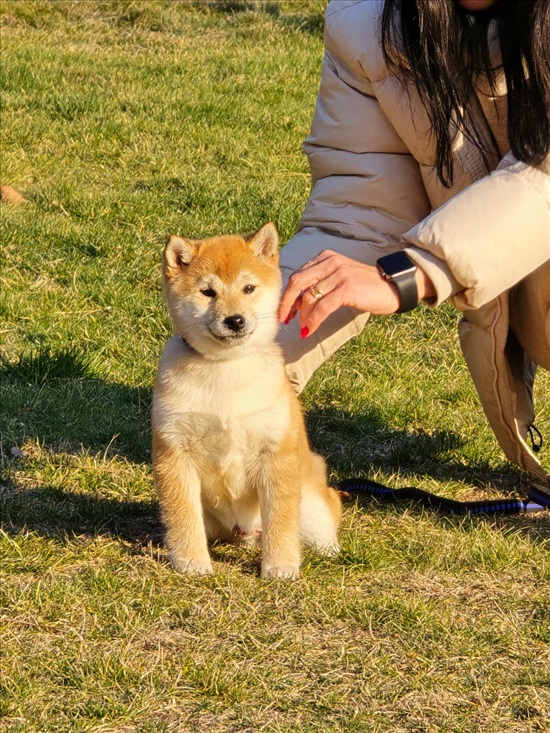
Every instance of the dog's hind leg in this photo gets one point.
(319, 520)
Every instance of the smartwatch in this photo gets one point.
(400, 270)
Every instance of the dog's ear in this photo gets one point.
(265, 242)
(178, 254)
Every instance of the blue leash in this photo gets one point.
(537, 499)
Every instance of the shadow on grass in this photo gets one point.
(59, 514)
(310, 22)
(364, 442)
(56, 399)
(362, 445)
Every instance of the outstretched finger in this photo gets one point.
(313, 314)
(308, 275)
(292, 295)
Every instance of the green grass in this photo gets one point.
(121, 123)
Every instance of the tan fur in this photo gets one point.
(230, 451)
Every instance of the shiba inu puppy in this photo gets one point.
(230, 452)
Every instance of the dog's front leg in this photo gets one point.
(179, 490)
(279, 493)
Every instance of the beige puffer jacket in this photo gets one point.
(485, 242)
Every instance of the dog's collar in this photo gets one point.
(188, 345)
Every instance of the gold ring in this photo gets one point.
(316, 292)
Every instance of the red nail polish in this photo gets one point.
(287, 320)
(304, 332)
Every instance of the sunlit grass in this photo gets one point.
(121, 123)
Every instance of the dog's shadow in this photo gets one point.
(55, 399)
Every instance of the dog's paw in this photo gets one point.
(283, 572)
(190, 566)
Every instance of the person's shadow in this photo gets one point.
(56, 399)
(362, 445)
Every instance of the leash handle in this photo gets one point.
(536, 499)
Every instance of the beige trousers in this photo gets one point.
(530, 315)
(304, 356)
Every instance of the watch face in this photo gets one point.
(397, 263)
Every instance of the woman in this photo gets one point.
(430, 143)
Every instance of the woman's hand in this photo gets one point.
(331, 280)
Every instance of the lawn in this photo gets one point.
(122, 122)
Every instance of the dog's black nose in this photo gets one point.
(235, 323)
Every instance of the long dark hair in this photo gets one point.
(442, 48)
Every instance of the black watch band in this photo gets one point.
(400, 270)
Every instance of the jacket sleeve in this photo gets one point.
(366, 184)
(371, 160)
(488, 237)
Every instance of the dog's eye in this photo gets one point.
(249, 289)
(209, 292)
